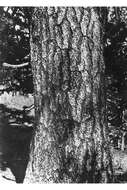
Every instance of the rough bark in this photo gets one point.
(70, 142)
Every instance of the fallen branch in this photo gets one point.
(15, 66)
(8, 178)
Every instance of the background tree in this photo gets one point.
(70, 142)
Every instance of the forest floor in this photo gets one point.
(6, 177)
(15, 136)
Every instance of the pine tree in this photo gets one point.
(70, 141)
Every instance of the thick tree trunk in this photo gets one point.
(70, 143)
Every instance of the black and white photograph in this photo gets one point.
(63, 94)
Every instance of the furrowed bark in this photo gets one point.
(70, 143)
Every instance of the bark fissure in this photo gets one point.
(67, 59)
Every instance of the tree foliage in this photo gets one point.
(116, 70)
(16, 47)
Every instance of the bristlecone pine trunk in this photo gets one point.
(70, 143)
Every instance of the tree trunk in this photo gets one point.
(123, 141)
(70, 143)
